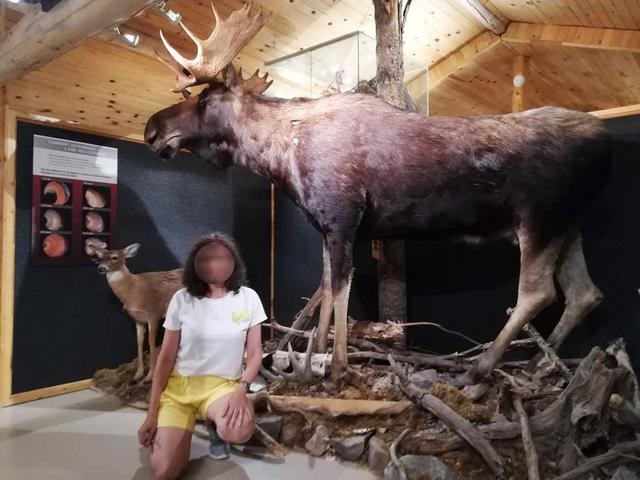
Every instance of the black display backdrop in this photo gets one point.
(67, 322)
(468, 289)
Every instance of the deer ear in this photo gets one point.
(231, 77)
(131, 250)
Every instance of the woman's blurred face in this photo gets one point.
(214, 263)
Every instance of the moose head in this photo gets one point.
(201, 123)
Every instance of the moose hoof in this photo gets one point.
(469, 378)
(477, 391)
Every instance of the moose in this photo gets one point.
(360, 168)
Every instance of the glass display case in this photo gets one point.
(335, 66)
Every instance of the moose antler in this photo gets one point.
(255, 83)
(213, 54)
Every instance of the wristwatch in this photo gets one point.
(246, 385)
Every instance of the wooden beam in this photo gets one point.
(460, 57)
(519, 84)
(580, 37)
(40, 37)
(484, 16)
(617, 111)
(7, 260)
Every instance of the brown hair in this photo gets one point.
(195, 285)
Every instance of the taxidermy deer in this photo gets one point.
(361, 168)
(144, 296)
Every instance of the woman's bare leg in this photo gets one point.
(170, 452)
(232, 435)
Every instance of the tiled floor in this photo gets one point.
(87, 435)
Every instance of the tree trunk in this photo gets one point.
(392, 286)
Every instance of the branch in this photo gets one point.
(274, 447)
(451, 419)
(422, 359)
(527, 438)
(394, 455)
(432, 324)
(620, 450)
(548, 350)
(332, 407)
(405, 13)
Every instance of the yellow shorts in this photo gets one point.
(185, 395)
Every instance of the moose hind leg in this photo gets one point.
(536, 291)
(581, 295)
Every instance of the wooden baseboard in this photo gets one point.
(48, 392)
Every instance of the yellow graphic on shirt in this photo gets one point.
(237, 317)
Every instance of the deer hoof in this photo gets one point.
(138, 375)
(148, 378)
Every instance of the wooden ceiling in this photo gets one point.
(107, 87)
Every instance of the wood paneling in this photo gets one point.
(577, 78)
(482, 86)
(113, 90)
(621, 14)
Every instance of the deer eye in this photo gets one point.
(114, 257)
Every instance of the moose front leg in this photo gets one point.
(326, 305)
(340, 255)
(339, 359)
(536, 291)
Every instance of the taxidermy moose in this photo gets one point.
(361, 168)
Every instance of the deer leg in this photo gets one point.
(140, 339)
(153, 349)
(536, 291)
(326, 303)
(581, 295)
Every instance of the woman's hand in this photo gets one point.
(147, 431)
(238, 408)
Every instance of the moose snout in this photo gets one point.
(150, 132)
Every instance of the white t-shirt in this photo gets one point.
(213, 331)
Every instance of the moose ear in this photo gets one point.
(231, 77)
(131, 250)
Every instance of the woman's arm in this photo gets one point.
(238, 409)
(164, 364)
(253, 349)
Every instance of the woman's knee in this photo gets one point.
(236, 435)
(166, 468)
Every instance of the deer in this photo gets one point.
(144, 296)
(360, 168)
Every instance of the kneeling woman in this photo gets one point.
(210, 324)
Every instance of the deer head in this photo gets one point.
(112, 260)
(199, 123)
